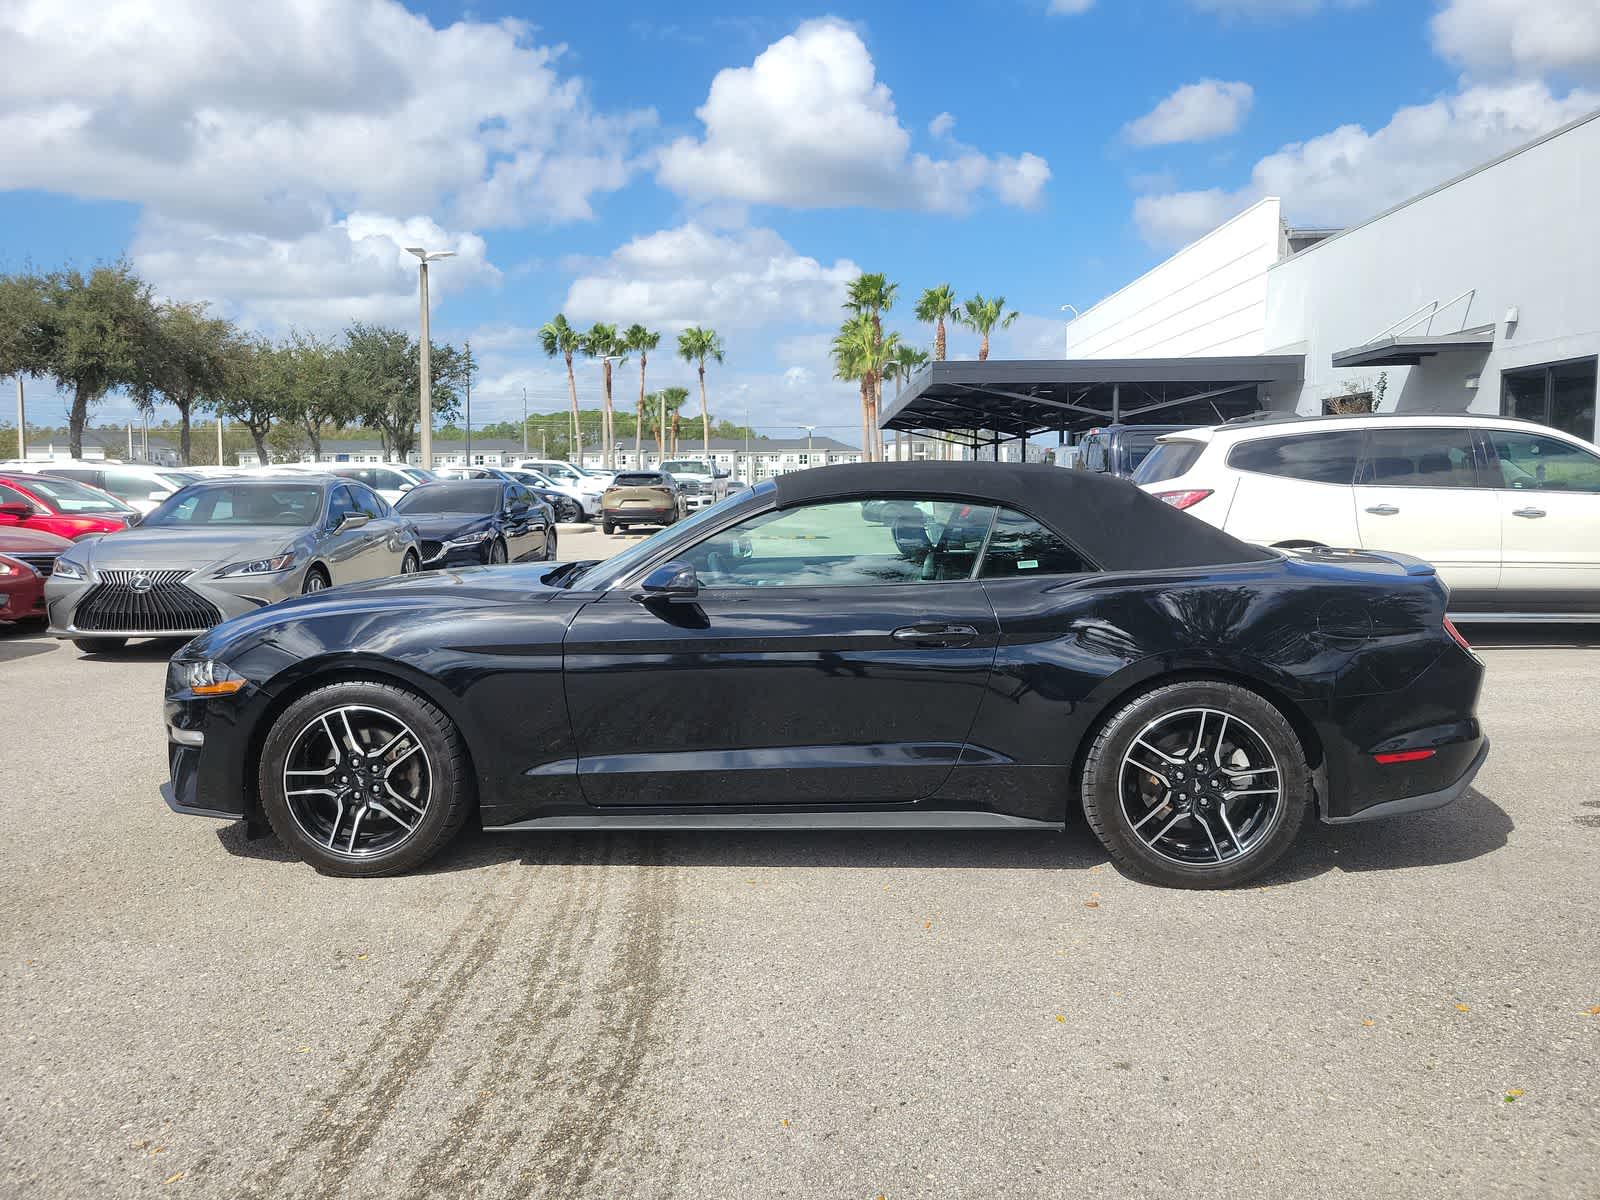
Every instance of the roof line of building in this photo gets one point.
(1439, 187)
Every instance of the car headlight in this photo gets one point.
(65, 568)
(206, 677)
(259, 566)
(471, 539)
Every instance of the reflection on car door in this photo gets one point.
(386, 543)
(1548, 500)
(828, 659)
(524, 525)
(1418, 491)
(342, 549)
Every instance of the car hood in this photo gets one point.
(191, 548)
(16, 540)
(446, 525)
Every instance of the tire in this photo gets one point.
(497, 552)
(99, 645)
(608, 526)
(316, 581)
(410, 564)
(307, 727)
(550, 544)
(1174, 778)
(569, 512)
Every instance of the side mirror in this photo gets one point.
(16, 511)
(353, 521)
(134, 518)
(673, 581)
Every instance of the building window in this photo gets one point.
(1561, 395)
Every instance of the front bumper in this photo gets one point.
(21, 599)
(207, 753)
(444, 555)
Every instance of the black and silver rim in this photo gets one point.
(1201, 787)
(357, 781)
(314, 582)
(409, 565)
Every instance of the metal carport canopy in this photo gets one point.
(1023, 397)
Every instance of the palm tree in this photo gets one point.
(905, 362)
(696, 345)
(603, 343)
(981, 316)
(666, 402)
(861, 353)
(636, 339)
(871, 294)
(935, 306)
(558, 337)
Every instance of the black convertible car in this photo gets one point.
(1015, 645)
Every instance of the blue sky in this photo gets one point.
(696, 165)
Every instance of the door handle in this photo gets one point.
(1383, 510)
(936, 635)
(1530, 513)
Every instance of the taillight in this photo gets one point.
(1401, 756)
(1455, 634)
(665, 491)
(1184, 499)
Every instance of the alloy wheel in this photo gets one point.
(357, 781)
(1200, 787)
(315, 582)
(409, 565)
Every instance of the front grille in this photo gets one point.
(113, 604)
(42, 563)
(431, 550)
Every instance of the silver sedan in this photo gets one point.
(223, 547)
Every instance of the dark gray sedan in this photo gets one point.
(223, 547)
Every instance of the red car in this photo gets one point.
(59, 506)
(26, 560)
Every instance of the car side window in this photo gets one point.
(367, 501)
(1533, 462)
(1328, 457)
(847, 543)
(1020, 545)
(1439, 458)
(12, 496)
(341, 506)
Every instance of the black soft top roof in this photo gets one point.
(1120, 527)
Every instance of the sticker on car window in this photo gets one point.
(1028, 564)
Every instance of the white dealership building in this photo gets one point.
(1482, 295)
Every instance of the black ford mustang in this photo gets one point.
(996, 647)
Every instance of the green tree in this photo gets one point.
(382, 373)
(313, 387)
(636, 339)
(254, 392)
(667, 403)
(602, 342)
(982, 316)
(695, 345)
(860, 355)
(935, 306)
(185, 360)
(871, 295)
(24, 332)
(905, 362)
(95, 334)
(558, 337)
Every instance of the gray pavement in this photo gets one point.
(1404, 1009)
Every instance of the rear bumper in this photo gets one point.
(639, 516)
(1422, 801)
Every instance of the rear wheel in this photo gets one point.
(1199, 784)
(607, 526)
(95, 645)
(364, 778)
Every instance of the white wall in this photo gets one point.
(1521, 232)
(1208, 299)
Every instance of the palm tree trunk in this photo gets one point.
(705, 415)
(577, 429)
(866, 415)
(983, 349)
(605, 419)
(638, 429)
(938, 340)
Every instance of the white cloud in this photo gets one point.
(1196, 112)
(1348, 174)
(265, 117)
(1528, 36)
(941, 125)
(353, 269)
(692, 274)
(808, 125)
(1069, 8)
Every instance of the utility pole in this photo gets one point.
(469, 402)
(219, 439)
(424, 345)
(22, 422)
(525, 425)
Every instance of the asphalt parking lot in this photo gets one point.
(1410, 1008)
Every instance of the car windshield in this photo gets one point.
(65, 496)
(293, 505)
(464, 496)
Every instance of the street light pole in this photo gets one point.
(22, 423)
(525, 422)
(810, 430)
(424, 257)
(469, 402)
(219, 439)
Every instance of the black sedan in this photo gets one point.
(1019, 646)
(479, 521)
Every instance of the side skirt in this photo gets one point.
(778, 820)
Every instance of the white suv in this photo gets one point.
(1507, 510)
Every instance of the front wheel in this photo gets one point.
(568, 512)
(364, 778)
(497, 552)
(316, 581)
(410, 564)
(1199, 784)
